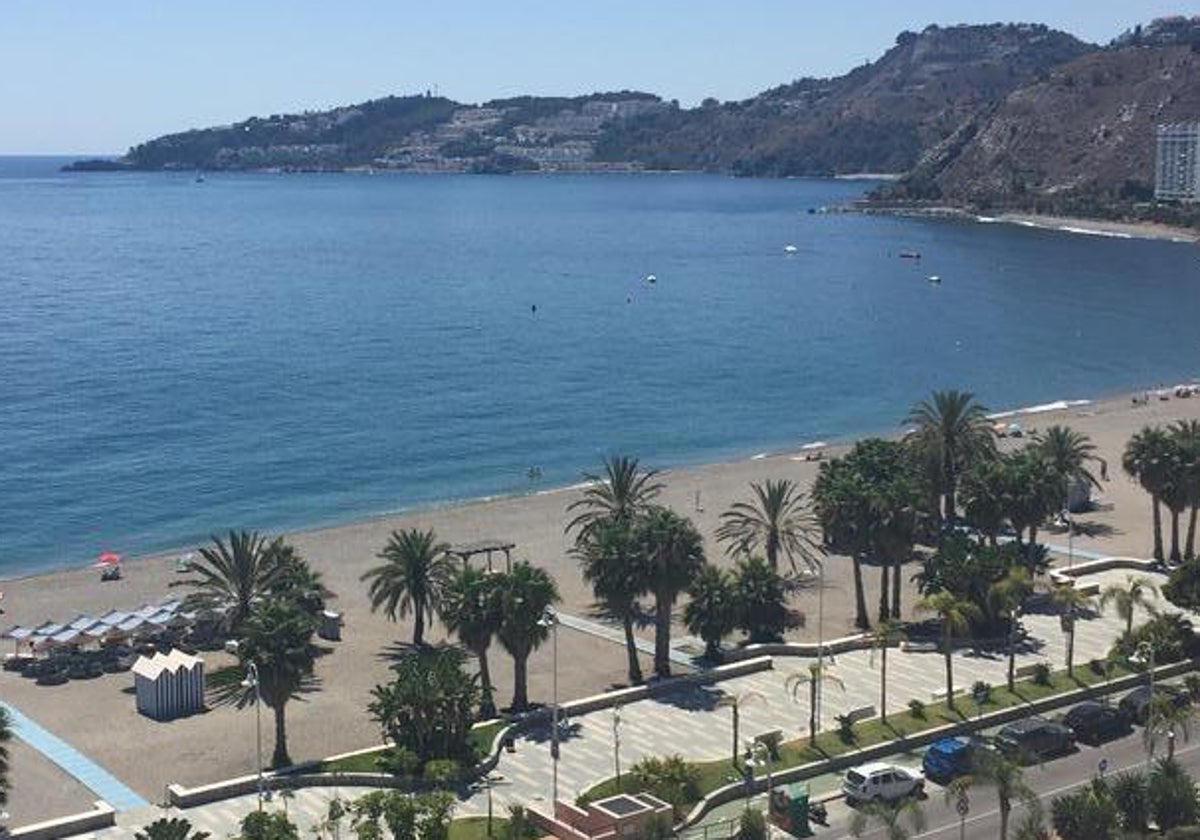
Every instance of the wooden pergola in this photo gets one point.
(485, 547)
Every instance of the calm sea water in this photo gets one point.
(276, 351)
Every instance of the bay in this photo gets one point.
(179, 357)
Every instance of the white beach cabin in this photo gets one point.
(169, 685)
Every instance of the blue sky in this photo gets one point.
(84, 76)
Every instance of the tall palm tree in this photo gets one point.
(276, 638)
(734, 702)
(525, 594)
(956, 615)
(1030, 493)
(621, 492)
(818, 674)
(887, 632)
(1007, 777)
(777, 521)
(1136, 591)
(898, 820)
(5, 737)
(1070, 600)
(1167, 721)
(675, 551)
(1007, 595)
(471, 611)
(953, 430)
(411, 579)
(1068, 453)
(711, 612)
(982, 491)
(234, 574)
(1186, 434)
(617, 567)
(842, 501)
(1147, 459)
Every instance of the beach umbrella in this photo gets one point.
(107, 559)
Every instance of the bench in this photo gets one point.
(861, 713)
(1090, 590)
(919, 647)
(940, 694)
(770, 735)
(1024, 672)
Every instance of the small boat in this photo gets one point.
(789, 249)
(910, 255)
(650, 278)
(933, 278)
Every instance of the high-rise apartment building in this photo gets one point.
(1177, 163)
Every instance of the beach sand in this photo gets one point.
(1100, 227)
(98, 717)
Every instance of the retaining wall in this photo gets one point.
(101, 816)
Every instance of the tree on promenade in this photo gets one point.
(1030, 494)
(674, 551)
(1007, 595)
(711, 612)
(429, 704)
(175, 828)
(1071, 602)
(5, 737)
(735, 702)
(956, 615)
(471, 611)
(817, 675)
(276, 639)
(411, 579)
(620, 493)
(842, 501)
(897, 820)
(1127, 597)
(982, 491)
(616, 566)
(1186, 436)
(886, 633)
(525, 594)
(777, 521)
(1007, 777)
(1147, 459)
(952, 431)
(1069, 454)
(760, 594)
(234, 573)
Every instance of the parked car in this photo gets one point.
(1035, 739)
(949, 758)
(1095, 722)
(52, 676)
(1136, 704)
(879, 781)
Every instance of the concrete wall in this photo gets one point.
(101, 816)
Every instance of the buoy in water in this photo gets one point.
(533, 308)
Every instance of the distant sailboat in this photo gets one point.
(789, 249)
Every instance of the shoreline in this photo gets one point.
(744, 456)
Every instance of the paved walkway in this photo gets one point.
(688, 722)
(92, 775)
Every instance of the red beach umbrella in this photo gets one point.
(108, 558)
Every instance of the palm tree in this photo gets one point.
(1007, 595)
(1186, 434)
(525, 594)
(675, 551)
(1070, 600)
(953, 430)
(471, 611)
(620, 493)
(411, 579)
(1137, 591)
(1167, 721)
(5, 737)
(711, 612)
(735, 702)
(887, 632)
(1007, 777)
(817, 675)
(956, 615)
(1030, 493)
(175, 828)
(1147, 459)
(614, 563)
(898, 820)
(1068, 453)
(842, 501)
(982, 489)
(276, 639)
(777, 521)
(235, 574)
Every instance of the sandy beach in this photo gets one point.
(98, 716)
(1099, 227)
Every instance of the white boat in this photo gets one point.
(789, 249)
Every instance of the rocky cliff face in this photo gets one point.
(1083, 134)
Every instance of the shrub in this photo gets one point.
(1088, 814)
(442, 770)
(1128, 791)
(268, 825)
(845, 728)
(1097, 667)
(671, 779)
(520, 826)
(753, 825)
(760, 592)
(917, 709)
(398, 761)
(1041, 674)
(1169, 635)
(772, 741)
(1192, 683)
(1172, 795)
(981, 691)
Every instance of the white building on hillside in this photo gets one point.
(1177, 163)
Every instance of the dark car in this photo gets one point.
(1095, 722)
(1136, 704)
(948, 758)
(1035, 739)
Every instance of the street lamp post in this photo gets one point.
(1149, 656)
(252, 681)
(491, 779)
(550, 619)
(617, 743)
(820, 636)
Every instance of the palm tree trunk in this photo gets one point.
(520, 679)
(735, 733)
(883, 682)
(280, 757)
(861, 621)
(949, 666)
(1005, 810)
(813, 686)
(487, 705)
(896, 573)
(1012, 649)
(1029, 549)
(1189, 549)
(1158, 541)
(419, 625)
(1174, 536)
(884, 599)
(662, 634)
(773, 553)
(1070, 641)
(631, 651)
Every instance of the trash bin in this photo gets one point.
(789, 809)
(331, 626)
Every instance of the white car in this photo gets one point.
(879, 781)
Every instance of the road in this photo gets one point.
(1055, 777)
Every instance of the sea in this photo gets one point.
(183, 354)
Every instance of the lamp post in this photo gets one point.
(252, 681)
(820, 635)
(550, 619)
(1149, 656)
(491, 779)
(617, 743)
